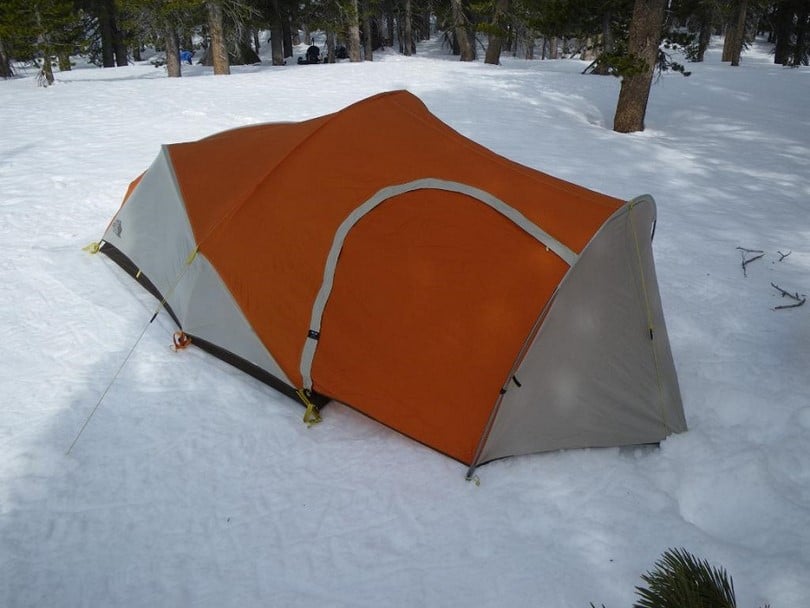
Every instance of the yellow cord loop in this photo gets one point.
(312, 415)
(92, 248)
(192, 255)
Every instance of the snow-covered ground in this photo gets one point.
(195, 485)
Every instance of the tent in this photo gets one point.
(377, 257)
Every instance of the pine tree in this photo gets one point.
(38, 31)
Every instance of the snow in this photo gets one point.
(195, 485)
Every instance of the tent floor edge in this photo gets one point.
(120, 258)
(262, 375)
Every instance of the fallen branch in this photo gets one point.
(782, 256)
(745, 261)
(793, 296)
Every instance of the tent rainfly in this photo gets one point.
(377, 257)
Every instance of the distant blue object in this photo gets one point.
(185, 56)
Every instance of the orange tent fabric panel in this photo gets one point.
(265, 202)
(433, 298)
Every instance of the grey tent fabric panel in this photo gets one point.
(152, 228)
(207, 309)
(593, 376)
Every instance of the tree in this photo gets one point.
(163, 21)
(496, 32)
(5, 62)
(37, 31)
(407, 29)
(216, 30)
(801, 44)
(704, 19)
(699, 17)
(368, 31)
(172, 44)
(735, 32)
(462, 30)
(353, 27)
(643, 42)
(274, 16)
(791, 25)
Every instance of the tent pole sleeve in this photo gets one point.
(512, 214)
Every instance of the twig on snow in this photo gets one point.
(745, 261)
(793, 296)
(782, 256)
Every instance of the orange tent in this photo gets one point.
(377, 257)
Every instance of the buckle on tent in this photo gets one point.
(312, 415)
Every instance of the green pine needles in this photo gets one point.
(680, 580)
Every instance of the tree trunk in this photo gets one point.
(172, 53)
(256, 44)
(800, 46)
(369, 30)
(287, 35)
(47, 69)
(331, 43)
(389, 29)
(407, 29)
(466, 45)
(276, 35)
(216, 29)
(276, 43)
(704, 38)
(5, 62)
(530, 37)
(783, 30)
(739, 41)
(105, 24)
(643, 41)
(244, 55)
(45, 76)
(553, 51)
(353, 28)
(608, 44)
(496, 35)
(730, 40)
(119, 44)
(120, 48)
(64, 61)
